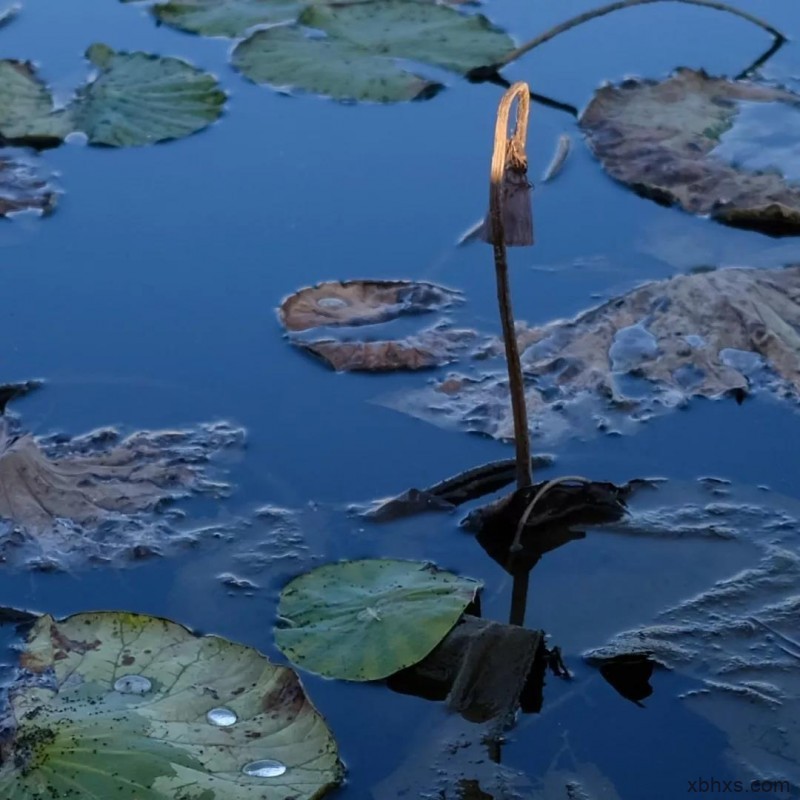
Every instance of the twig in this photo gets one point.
(611, 7)
(516, 545)
(560, 156)
(761, 60)
(509, 158)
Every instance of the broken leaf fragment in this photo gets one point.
(121, 705)
(709, 334)
(23, 184)
(672, 141)
(364, 620)
(356, 58)
(139, 98)
(365, 302)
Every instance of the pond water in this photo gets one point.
(148, 301)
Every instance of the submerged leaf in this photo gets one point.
(356, 60)
(663, 140)
(140, 99)
(91, 496)
(706, 334)
(27, 115)
(336, 303)
(364, 620)
(138, 708)
(22, 186)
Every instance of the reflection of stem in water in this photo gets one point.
(519, 595)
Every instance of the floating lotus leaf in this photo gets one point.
(136, 99)
(140, 99)
(138, 708)
(288, 58)
(336, 303)
(418, 31)
(364, 620)
(431, 348)
(666, 140)
(27, 114)
(22, 184)
(729, 331)
(227, 17)
(356, 59)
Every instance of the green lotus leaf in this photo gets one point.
(285, 57)
(356, 60)
(27, 115)
(131, 707)
(140, 99)
(227, 17)
(419, 31)
(365, 620)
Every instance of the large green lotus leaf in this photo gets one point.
(420, 31)
(285, 57)
(365, 620)
(666, 140)
(118, 705)
(26, 107)
(140, 99)
(227, 17)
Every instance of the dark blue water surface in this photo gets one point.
(148, 300)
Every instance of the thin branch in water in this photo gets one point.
(618, 6)
(510, 223)
(560, 156)
(761, 60)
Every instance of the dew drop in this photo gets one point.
(266, 768)
(222, 717)
(133, 684)
(331, 302)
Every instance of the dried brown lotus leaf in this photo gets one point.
(361, 302)
(707, 334)
(659, 138)
(431, 348)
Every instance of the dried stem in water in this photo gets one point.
(510, 222)
(611, 7)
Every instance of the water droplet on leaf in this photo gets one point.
(133, 684)
(222, 717)
(266, 768)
